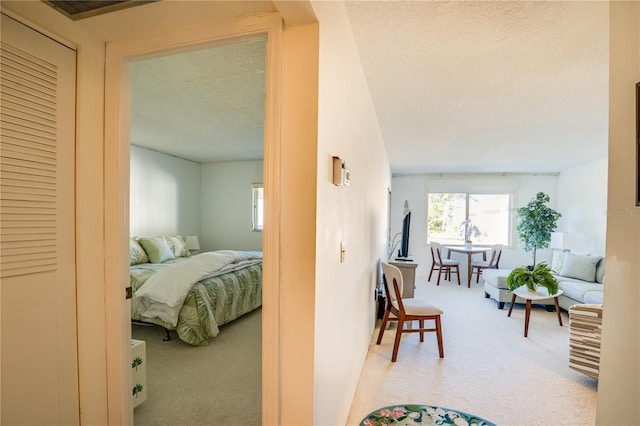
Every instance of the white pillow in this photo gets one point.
(580, 267)
(557, 261)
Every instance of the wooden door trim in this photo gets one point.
(117, 143)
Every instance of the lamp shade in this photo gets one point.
(192, 242)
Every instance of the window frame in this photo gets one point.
(467, 194)
(257, 201)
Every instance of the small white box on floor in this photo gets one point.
(139, 371)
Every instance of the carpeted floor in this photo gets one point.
(490, 369)
(219, 384)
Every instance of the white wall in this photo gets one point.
(582, 200)
(413, 189)
(226, 206)
(355, 214)
(619, 382)
(164, 194)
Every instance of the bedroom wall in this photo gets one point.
(413, 189)
(164, 194)
(226, 205)
(355, 214)
(582, 200)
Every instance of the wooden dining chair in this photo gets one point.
(443, 266)
(493, 263)
(406, 310)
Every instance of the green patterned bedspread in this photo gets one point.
(210, 303)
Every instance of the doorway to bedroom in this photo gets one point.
(196, 157)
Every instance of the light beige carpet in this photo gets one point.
(219, 384)
(490, 369)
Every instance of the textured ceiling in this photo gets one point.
(205, 105)
(458, 87)
(464, 86)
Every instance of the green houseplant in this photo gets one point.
(536, 222)
(539, 276)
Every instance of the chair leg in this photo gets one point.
(383, 326)
(439, 275)
(458, 274)
(422, 332)
(396, 343)
(433, 266)
(478, 270)
(439, 334)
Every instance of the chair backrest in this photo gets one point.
(392, 273)
(436, 252)
(496, 252)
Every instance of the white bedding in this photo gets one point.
(163, 294)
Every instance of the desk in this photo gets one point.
(538, 295)
(469, 252)
(408, 271)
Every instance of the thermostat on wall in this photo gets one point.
(341, 175)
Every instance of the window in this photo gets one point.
(257, 192)
(484, 217)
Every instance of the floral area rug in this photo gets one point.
(414, 414)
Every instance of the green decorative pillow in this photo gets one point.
(157, 249)
(137, 254)
(178, 246)
(580, 267)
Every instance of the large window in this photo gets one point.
(483, 218)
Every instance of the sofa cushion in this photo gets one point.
(580, 266)
(576, 290)
(496, 277)
(593, 297)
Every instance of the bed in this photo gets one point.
(193, 295)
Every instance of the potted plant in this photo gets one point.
(469, 231)
(536, 222)
(539, 276)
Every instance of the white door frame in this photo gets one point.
(117, 149)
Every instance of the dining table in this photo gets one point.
(469, 251)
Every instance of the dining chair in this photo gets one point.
(493, 263)
(406, 310)
(443, 266)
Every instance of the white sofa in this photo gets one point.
(580, 277)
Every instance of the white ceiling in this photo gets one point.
(204, 105)
(458, 86)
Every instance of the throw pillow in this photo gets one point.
(137, 254)
(178, 246)
(157, 249)
(600, 271)
(580, 267)
(557, 261)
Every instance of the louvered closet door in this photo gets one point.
(37, 250)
